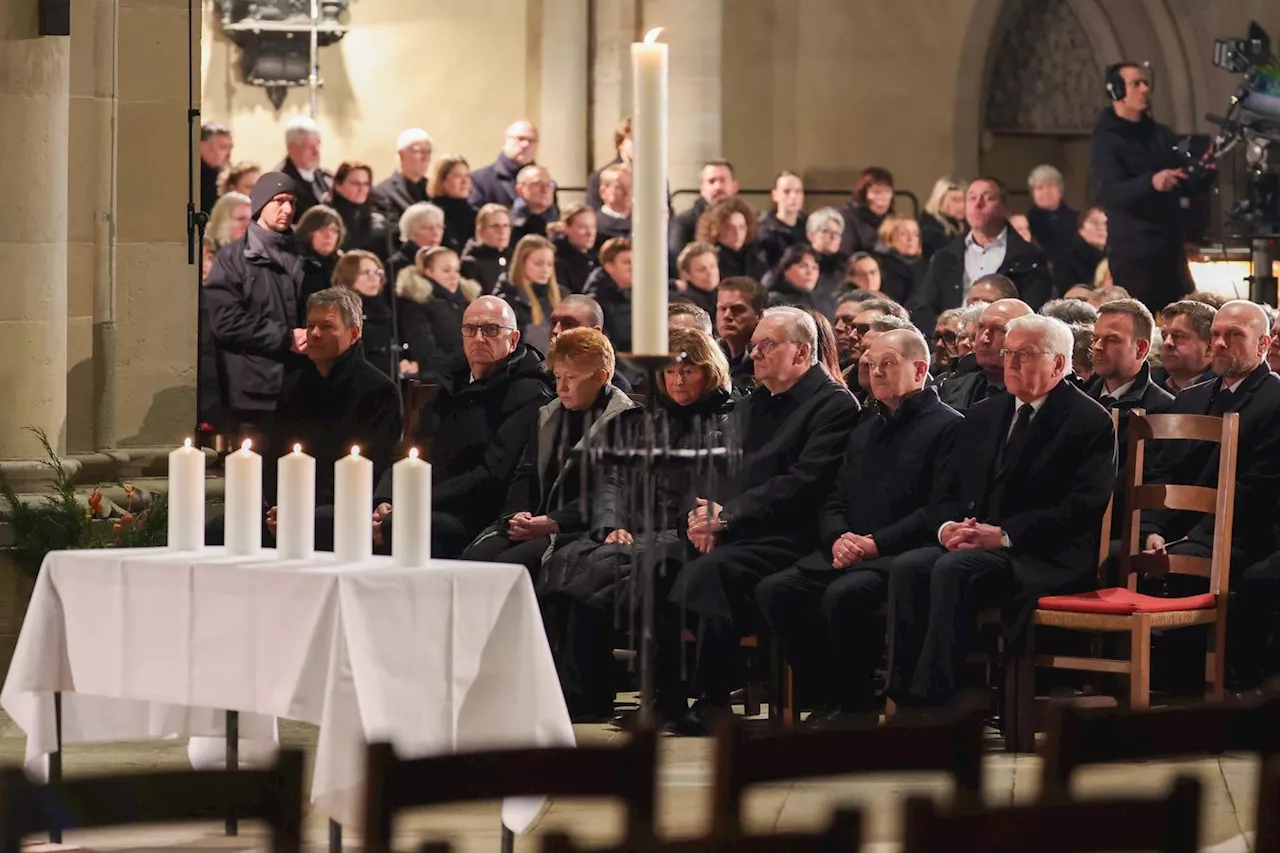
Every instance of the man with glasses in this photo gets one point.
(824, 230)
(535, 208)
(496, 183)
(408, 184)
(476, 429)
(793, 429)
(985, 378)
(946, 341)
(1020, 520)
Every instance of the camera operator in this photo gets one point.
(1139, 177)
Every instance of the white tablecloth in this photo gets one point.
(147, 643)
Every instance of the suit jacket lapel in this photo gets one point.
(548, 426)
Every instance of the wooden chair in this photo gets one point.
(842, 836)
(1123, 610)
(1267, 822)
(627, 773)
(953, 746)
(1169, 824)
(273, 796)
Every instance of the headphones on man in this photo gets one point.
(1115, 86)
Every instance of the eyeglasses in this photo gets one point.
(844, 323)
(831, 232)
(763, 348)
(373, 273)
(947, 338)
(1017, 356)
(489, 330)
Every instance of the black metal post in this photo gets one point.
(55, 763)
(233, 760)
(1262, 284)
(335, 837)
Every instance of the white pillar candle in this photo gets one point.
(353, 508)
(186, 498)
(411, 512)
(295, 505)
(649, 205)
(243, 529)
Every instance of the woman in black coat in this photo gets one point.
(431, 298)
(902, 267)
(872, 202)
(361, 271)
(421, 227)
(450, 189)
(319, 233)
(485, 257)
(943, 217)
(795, 279)
(729, 224)
(366, 228)
(530, 288)
(574, 237)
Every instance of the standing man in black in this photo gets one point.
(1138, 178)
(407, 185)
(215, 154)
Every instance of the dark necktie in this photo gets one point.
(1017, 437)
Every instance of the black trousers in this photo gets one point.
(1251, 646)
(1154, 281)
(500, 549)
(827, 623)
(449, 536)
(935, 596)
(215, 529)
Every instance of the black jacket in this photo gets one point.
(366, 227)
(393, 196)
(310, 193)
(893, 467)
(791, 445)
(616, 303)
(1160, 376)
(593, 199)
(748, 261)
(742, 371)
(860, 228)
(537, 336)
(404, 258)
(1255, 534)
(783, 292)
(967, 384)
(355, 404)
(431, 325)
(609, 226)
(495, 183)
(317, 275)
(208, 186)
(485, 264)
(477, 433)
(378, 334)
(900, 276)
(1053, 231)
(938, 231)
(573, 266)
(943, 285)
(252, 300)
(1142, 394)
(774, 235)
(459, 221)
(704, 299)
(1051, 497)
(684, 227)
(524, 221)
(1075, 264)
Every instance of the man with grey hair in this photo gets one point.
(793, 428)
(1053, 222)
(1073, 312)
(1021, 517)
(496, 182)
(895, 463)
(408, 184)
(982, 376)
(302, 163)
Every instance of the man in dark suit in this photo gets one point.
(407, 185)
(982, 376)
(1021, 518)
(1185, 355)
(823, 609)
(793, 428)
(302, 163)
(990, 246)
(717, 182)
(496, 182)
(1244, 384)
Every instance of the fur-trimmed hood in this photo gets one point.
(416, 287)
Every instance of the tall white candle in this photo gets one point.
(411, 508)
(186, 498)
(243, 530)
(649, 205)
(352, 508)
(295, 505)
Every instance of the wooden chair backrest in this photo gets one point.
(273, 796)
(627, 773)
(1104, 541)
(844, 835)
(417, 397)
(1170, 824)
(953, 746)
(1079, 736)
(1219, 501)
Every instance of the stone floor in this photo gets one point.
(1228, 784)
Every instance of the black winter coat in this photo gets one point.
(366, 227)
(900, 276)
(208, 186)
(775, 236)
(608, 227)
(459, 221)
(704, 299)
(495, 183)
(252, 302)
(943, 285)
(431, 325)
(356, 404)
(748, 261)
(394, 195)
(524, 221)
(573, 266)
(1053, 231)
(310, 193)
(860, 228)
(967, 384)
(684, 228)
(783, 292)
(616, 303)
(537, 336)
(378, 334)
(317, 275)
(485, 264)
(938, 231)
(1075, 264)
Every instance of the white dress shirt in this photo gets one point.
(1119, 392)
(983, 260)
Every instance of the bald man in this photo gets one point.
(892, 471)
(476, 430)
(496, 182)
(982, 377)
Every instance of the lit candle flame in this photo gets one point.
(413, 453)
(186, 442)
(297, 448)
(355, 450)
(245, 445)
(652, 36)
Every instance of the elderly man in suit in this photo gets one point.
(1021, 519)
(823, 609)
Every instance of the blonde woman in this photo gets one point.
(943, 217)
(485, 257)
(449, 187)
(530, 286)
(229, 219)
(902, 266)
(431, 297)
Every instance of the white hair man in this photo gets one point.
(1052, 221)
(302, 163)
(793, 429)
(1021, 518)
(408, 184)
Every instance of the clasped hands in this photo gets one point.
(704, 524)
(850, 548)
(524, 526)
(969, 535)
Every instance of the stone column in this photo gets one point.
(562, 101)
(34, 88)
(615, 29)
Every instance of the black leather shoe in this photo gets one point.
(697, 721)
(838, 718)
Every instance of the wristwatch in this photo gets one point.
(726, 521)
(1004, 540)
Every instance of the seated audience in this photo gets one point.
(535, 206)
(622, 145)
(872, 201)
(982, 377)
(1213, 300)
(593, 574)
(421, 226)
(365, 226)
(740, 303)
(1079, 292)
(699, 269)
(828, 352)
(476, 429)
(864, 272)
(902, 266)
(361, 272)
(614, 218)
(845, 329)
(320, 233)
(432, 299)
(229, 220)
(302, 164)
(1081, 356)
(407, 185)
(531, 289)
(794, 280)
(610, 286)
(945, 341)
(215, 153)
(729, 224)
(484, 259)
(1073, 312)
(686, 315)
(853, 326)
(1053, 224)
(970, 315)
(943, 217)
(824, 229)
(575, 241)
(793, 428)
(1079, 258)
(859, 375)
(783, 225)
(450, 190)
(576, 311)
(717, 182)
(545, 498)
(496, 183)
(239, 178)
(991, 288)
(1020, 518)
(991, 246)
(894, 467)
(1184, 354)
(1107, 293)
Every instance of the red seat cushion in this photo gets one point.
(1124, 601)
